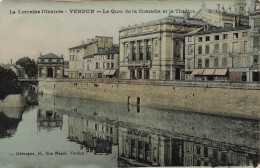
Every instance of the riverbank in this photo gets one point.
(229, 99)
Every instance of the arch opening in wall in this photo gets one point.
(50, 73)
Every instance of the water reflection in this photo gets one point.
(157, 137)
(9, 120)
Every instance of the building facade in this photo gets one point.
(149, 51)
(224, 54)
(77, 53)
(104, 64)
(50, 66)
(210, 54)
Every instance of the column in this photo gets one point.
(61, 72)
(136, 73)
(143, 75)
(152, 48)
(137, 50)
(172, 74)
(54, 73)
(39, 71)
(130, 51)
(123, 52)
(46, 72)
(145, 49)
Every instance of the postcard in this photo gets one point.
(129, 84)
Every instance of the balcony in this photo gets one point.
(144, 63)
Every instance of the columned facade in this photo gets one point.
(147, 52)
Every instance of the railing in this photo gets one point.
(139, 63)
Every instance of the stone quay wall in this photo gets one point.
(229, 99)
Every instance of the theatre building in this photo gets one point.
(50, 66)
(154, 50)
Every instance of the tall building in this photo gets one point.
(149, 51)
(77, 53)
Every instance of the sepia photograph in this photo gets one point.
(107, 84)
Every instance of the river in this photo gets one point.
(73, 132)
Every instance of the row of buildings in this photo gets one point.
(219, 45)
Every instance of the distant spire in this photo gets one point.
(203, 5)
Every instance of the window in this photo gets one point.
(225, 36)
(200, 50)
(112, 56)
(188, 64)
(104, 65)
(108, 56)
(245, 46)
(224, 48)
(108, 65)
(141, 54)
(148, 52)
(97, 66)
(244, 34)
(224, 62)
(112, 65)
(189, 38)
(215, 62)
(190, 50)
(216, 48)
(134, 53)
(235, 35)
(256, 58)
(256, 42)
(207, 49)
(199, 63)
(200, 39)
(217, 37)
(235, 47)
(206, 63)
(208, 38)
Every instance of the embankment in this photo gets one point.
(230, 99)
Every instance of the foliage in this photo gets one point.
(29, 65)
(8, 83)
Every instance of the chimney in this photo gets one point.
(40, 54)
(218, 7)
(82, 42)
(61, 55)
(92, 40)
(11, 62)
(88, 40)
(186, 15)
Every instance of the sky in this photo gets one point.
(30, 34)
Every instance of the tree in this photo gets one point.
(8, 83)
(29, 66)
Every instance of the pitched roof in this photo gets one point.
(51, 56)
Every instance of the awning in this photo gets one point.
(112, 72)
(208, 71)
(197, 71)
(221, 72)
(106, 72)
